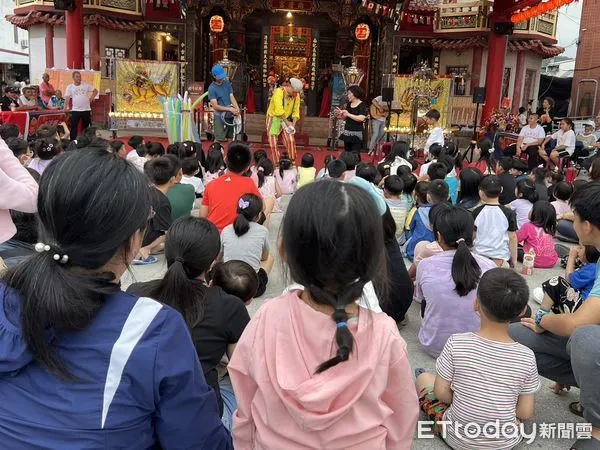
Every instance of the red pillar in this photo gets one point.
(94, 47)
(495, 72)
(75, 36)
(519, 76)
(476, 68)
(49, 46)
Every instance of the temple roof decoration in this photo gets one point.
(529, 45)
(39, 17)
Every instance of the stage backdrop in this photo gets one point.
(140, 83)
(61, 78)
(404, 95)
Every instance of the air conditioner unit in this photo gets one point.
(24, 43)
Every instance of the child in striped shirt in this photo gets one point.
(484, 379)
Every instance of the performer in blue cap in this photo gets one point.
(223, 102)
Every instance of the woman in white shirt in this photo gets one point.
(565, 143)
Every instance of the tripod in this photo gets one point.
(469, 152)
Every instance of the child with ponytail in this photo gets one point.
(45, 150)
(526, 197)
(325, 394)
(287, 176)
(447, 282)
(248, 241)
(267, 185)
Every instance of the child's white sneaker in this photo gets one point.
(538, 295)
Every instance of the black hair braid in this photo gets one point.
(343, 336)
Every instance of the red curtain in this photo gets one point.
(250, 100)
(326, 102)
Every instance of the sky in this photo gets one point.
(567, 29)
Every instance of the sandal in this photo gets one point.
(586, 444)
(576, 409)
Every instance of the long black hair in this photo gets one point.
(191, 247)
(215, 163)
(543, 215)
(486, 148)
(265, 168)
(86, 222)
(455, 226)
(399, 148)
(284, 164)
(470, 178)
(333, 249)
(248, 210)
(526, 189)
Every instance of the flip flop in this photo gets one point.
(576, 409)
(586, 444)
(144, 262)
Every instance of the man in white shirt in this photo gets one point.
(81, 95)
(436, 135)
(529, 141)
(28, 100)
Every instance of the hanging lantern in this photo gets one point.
(353, 75)
(362, 32)
(216, 24)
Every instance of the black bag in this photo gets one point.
(350, 139)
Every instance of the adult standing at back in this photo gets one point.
(46, 89)
(221, 197)
(81, 96)
(223, 102)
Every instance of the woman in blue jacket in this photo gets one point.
(84, 365)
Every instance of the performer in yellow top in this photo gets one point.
(282, 115)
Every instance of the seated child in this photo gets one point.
(336, 170)
(367, 172)
(562, 193)
(419, 198)
(538, 178)
(181, 196)
(351, 159)
(287, 176)
(393, 191)
(324, 172)
(306, 171)
(450, 178)
(508, 181)
(236, 278)
(268, 186)
(565, 295)
(526, 197)
(420, 227)
(495, 225)
(537, 235)
(519, 167)
(484, 377)
(434, 153)
(191, 168)
(215, 163)
(20, 149)
(551, 180)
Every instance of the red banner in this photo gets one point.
(30, 122)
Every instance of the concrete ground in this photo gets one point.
(550, 408)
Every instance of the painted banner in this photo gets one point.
(404, 95)
(140, 83)
(30, 121)
(61, 78)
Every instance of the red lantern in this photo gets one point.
(216, 24)
(362, 32)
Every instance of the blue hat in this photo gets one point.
(219, 73)
(373, 191)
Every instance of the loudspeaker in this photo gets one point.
(503, 27)
(479, 95)
(387, 95)
(64, 5)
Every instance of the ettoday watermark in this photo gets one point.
(494, 430)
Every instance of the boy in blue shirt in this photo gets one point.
(420, 226)
(566, 295)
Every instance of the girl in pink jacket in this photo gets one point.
(19, 191)
(313, 370)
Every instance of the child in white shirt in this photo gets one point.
(436, 135)
(191, 168)
(565, 143)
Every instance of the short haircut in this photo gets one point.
(308, 160)
(46, 132)
(502, 294)
(585, 202)
(116, 146)
(190, 166)
(367, 172)
(506, 162)
(448, 161)
(438, 190)
(159, 170)
(403, 170)
(491, 186)
(436, 150)
(155, 149)
(579, 183)
(17, 145)
(433, 114)
(9, 130)
(239, 157)
(176, 163)
(421, 189)
(135, 141)
(394, 185)
(236, 278)
(351, 159)
(563, 191)
(437, 171)
(591, 254)
(410, 181)
(336, 168)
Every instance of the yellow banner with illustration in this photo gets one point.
(140, 83)
(433, 94)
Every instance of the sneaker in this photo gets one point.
(538, 295)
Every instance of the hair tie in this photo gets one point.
(243, 204)
(179, 259)
(341, 324)
(261, 169)
(458, 241)
(40, 247)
